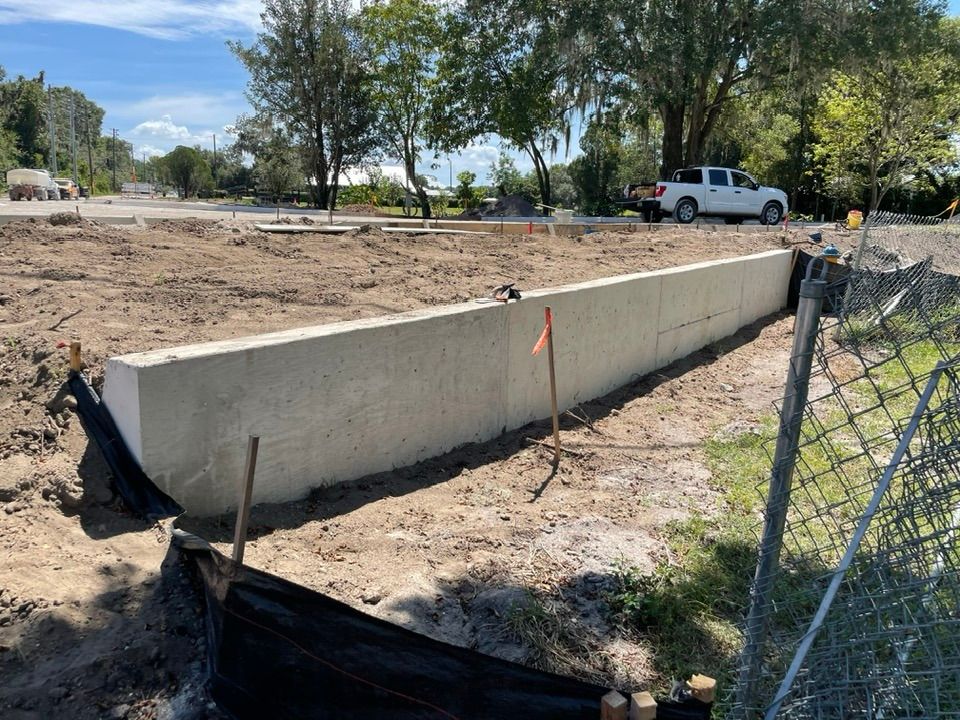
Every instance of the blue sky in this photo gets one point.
(160, 68)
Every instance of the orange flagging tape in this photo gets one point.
(546, 332)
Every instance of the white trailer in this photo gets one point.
(31, 184)
(137, 189)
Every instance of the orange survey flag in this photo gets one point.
(546, 332)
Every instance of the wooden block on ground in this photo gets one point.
(643, 706)
(703, 688)
(613, 706)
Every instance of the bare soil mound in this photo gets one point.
(190, 226)
(302, 220)
(95, 623)
(506, 205)
(66, 218)
(359, 209)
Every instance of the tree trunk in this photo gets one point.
(319, 190)
(672, 146)
(543, 172)
(424, 202)
(411, 170)
(321, 169)
(693, 149)
(334, 188)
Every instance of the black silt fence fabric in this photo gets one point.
(139, 494)
(279, 650)
(837, 278)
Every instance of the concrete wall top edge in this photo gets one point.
(678, 269)
(282, 337)
(207, 349)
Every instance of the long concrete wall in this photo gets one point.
(336, 402)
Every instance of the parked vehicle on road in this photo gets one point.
(31, 184)
(722, 192)
(68, 188)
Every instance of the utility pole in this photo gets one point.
(115, 186)
(73, 137)
(53, 132)
(89, 153)
(214, 160)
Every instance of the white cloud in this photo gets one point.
(192, 108)
(163, 128)
(158, 137)
(188, 119)
(149, 150)
(166, 19)
(479, 154)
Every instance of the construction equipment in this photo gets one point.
(31, 184)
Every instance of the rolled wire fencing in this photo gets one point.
(855, 607)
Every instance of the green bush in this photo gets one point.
(356, 195)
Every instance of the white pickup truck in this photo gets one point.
(721, 192)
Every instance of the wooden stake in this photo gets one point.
(243, 512)
(75, 359)
(643, 706)
(553, 391)
(613, 706)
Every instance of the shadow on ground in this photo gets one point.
(135, 651)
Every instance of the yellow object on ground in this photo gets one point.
(854, 218)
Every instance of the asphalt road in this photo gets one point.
(116, 206)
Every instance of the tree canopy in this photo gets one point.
(403, 38)
(308, 71)
(187, 170)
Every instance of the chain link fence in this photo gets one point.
(855, 608)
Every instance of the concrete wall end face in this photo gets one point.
(121, 396)
(766, 282)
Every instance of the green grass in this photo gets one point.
(691, 608)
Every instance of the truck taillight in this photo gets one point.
(660, 190)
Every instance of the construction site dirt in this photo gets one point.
(97, 619)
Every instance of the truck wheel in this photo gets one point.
(685, 211)
(772, 212)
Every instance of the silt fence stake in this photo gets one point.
(243, 512)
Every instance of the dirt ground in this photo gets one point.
(97, 619)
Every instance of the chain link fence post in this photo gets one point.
(807, 328)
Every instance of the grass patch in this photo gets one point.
(691, 608)
(557, 641)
